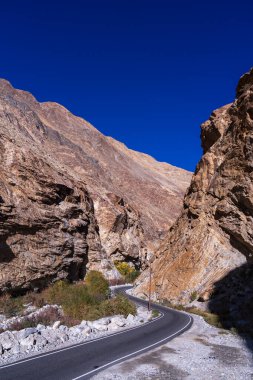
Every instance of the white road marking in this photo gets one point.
(133, 353)
(80, 344)
(102, 338)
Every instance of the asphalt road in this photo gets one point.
(84, 360)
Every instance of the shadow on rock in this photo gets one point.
(6, 254)
(232, 301)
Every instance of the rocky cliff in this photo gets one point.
(214, 234)
(71, 198)
(47, 222)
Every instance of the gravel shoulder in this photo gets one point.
(203, 352)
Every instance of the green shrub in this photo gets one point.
(36, 299)
(87, 300)
(212, 319)
(97, 285)
(118, 305)
(128, 272)
(123, 305)
(46, 317)
(74, 299)
(193, 296)
(155, 313)
(56, 293)
(24, 324)
(123, 268)
(131, 277)
(11, 306)
(66, 320)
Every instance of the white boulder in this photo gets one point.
(75, 331)
(56, 325)
(62, 336)
(22, 334)
(130, 318)
(28, 342)
(103, 321)
(63, 328)
(30, 309)
(49, 334)
(41, 342)
(83, 324)
(118, 321)
(99, 327)
(86, 331)
(16, 349)
(7, 340)
(40, 327)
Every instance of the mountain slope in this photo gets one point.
(214, 234)
(71, 195)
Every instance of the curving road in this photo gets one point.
(84, 360)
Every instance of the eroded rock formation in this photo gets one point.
(71, 197)
(47, 222)
(214, 234)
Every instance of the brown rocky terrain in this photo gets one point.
(71, 198)
(211, 244)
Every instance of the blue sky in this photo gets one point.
(146, 72)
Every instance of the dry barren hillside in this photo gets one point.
(209, 249)
(72, 198)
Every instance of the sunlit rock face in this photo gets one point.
(214, 234)
(47, 222)
(72, 199)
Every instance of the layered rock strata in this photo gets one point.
(214, 234)
(47, 222)
(71, 198)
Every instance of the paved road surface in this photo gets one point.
(84, 360)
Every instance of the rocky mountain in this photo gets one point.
(71, 198)
(213, 237)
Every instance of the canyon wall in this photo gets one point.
(47, 222)
(214, 234)
(73, 199)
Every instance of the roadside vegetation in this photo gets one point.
(86, 300)
(222, 321)
(128, 273)
(193, 296)
(155, 313)
(212, 319)
(10, 306)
